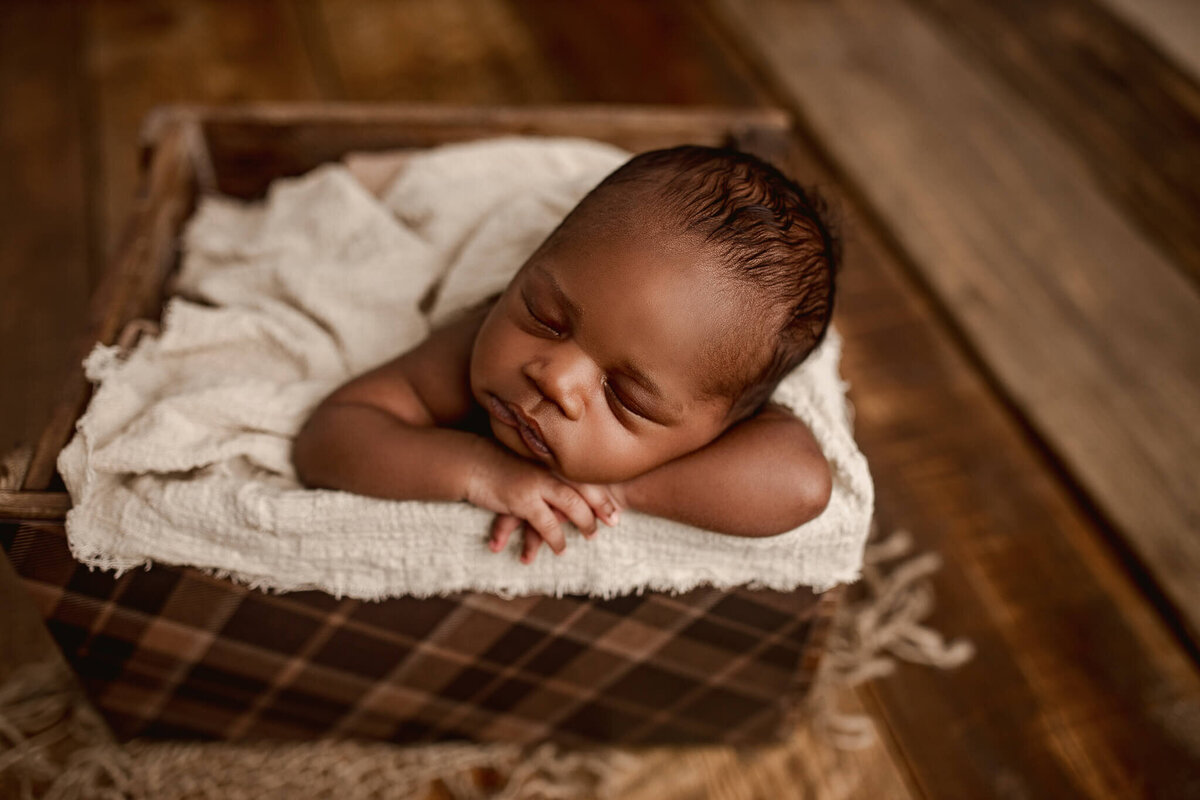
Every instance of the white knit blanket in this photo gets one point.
(183, 454)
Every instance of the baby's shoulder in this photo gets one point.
(439, 368)
(427, 385)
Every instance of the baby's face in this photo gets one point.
(595, 358)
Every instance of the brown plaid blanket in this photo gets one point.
(175, 653)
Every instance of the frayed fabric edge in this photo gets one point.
(95, 560)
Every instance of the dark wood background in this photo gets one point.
(1020, 185)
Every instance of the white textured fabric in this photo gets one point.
(183, 454)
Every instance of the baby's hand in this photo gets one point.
(503, 527)
(605, 499)
(519, 491)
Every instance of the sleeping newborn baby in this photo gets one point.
(628, 364)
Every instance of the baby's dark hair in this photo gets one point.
(767, 232)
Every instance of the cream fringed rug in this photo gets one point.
(52, 745)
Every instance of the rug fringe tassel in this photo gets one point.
(36, 723)
(869, 634)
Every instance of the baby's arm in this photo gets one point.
(764, 476)
(379, 435)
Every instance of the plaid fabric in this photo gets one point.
(172, 652)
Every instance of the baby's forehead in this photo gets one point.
(644, 230)
(626, 206)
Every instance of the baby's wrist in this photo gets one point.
(478, 487)
(620, 493)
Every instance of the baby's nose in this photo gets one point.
(563, 377)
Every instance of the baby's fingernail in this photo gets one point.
(615, 517)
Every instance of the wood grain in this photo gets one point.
(453, 51)
(529, 51)
(251, 145)
(804, 768)
(1123, 107)
(131, 288)
(1173, 25)
(628, 51)
(44, 247)
(1077, 688)
(150, 53)
(33, 505)
(1087, 328)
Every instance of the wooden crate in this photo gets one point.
(175, 652)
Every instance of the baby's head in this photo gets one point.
(664, 308)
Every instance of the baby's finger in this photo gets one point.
(600, 500)
(502, 529)
(545, 523)
(573, 504)
(532, 543)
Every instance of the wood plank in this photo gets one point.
(249, 146)
(33, 505)
(1174, 25)
(1077, 688)
(1123, 107)
(806, 767)
(529, 51)
(128, 290)
(1089, 330)
(669, 52)
(44, 247)
(146, 54)
(453, 51)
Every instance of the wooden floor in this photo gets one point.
(1020, 185)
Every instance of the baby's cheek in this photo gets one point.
(609, 457)
(496, 347)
